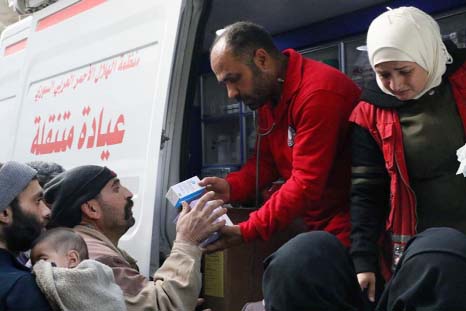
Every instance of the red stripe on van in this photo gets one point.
(67, 13)
(15, 47)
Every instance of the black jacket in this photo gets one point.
(18, 289)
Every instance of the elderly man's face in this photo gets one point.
(29, 218)
(244, 82)
(116, 204)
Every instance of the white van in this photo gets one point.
(115, 82)
(89, 82)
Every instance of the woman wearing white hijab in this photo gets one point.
(407, 129)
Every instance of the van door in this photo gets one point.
(183, 87)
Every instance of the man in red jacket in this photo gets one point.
(303, 107)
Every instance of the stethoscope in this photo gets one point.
(260, 133)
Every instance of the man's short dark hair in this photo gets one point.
(46, 171)
(244, 38)
(63, 240)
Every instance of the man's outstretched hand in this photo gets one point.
(196, 224)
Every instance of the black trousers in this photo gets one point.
(313, 271)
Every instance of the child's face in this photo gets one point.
(45, 252)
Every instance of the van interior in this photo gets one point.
(218, 134)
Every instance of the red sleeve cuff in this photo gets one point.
(248, 230)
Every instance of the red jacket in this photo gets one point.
(384, 126)
(313, 110)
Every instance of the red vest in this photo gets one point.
(384, 126)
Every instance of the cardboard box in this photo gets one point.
(233, 277)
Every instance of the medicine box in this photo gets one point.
(187, 191)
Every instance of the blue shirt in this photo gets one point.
(18, 289)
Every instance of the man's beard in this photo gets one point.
(118, 223)
(129, 214)
(22, 232)
(261, 90)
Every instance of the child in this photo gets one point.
(68, 279)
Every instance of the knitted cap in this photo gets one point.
(69, 190)
(14, 177)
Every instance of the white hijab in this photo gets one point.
(408, 34)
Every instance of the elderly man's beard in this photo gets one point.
(129, 213)
(22, 232)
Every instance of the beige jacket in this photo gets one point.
(176, 284)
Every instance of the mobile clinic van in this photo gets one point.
(126, 84)
(89, 82)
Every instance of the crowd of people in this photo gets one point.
(372, 173)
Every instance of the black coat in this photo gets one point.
(18, 289)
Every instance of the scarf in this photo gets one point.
(408, 34)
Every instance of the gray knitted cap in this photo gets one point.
(14, 177)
